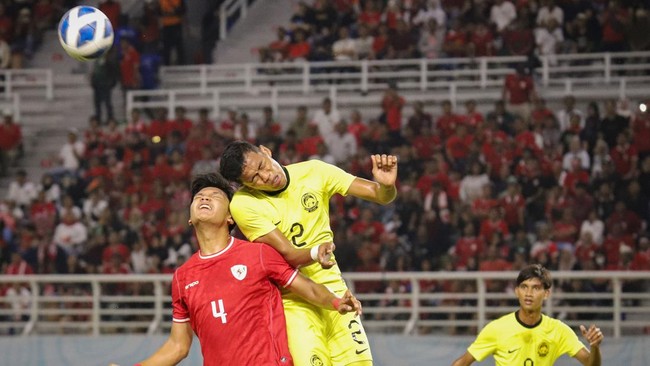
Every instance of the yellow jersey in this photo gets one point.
(300, 211)
(515, 344)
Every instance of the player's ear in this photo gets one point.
(265, 150)
(189, 222)
(230, 220)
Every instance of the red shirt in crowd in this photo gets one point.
(467, 247)
(641, 132)
(624, 157)
(518, 88)
(10, 136)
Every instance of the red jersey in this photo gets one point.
(519, 88)
(233, 304)
(641, 135)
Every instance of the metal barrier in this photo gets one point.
(419, 74)
(13, 81)
(88, 304)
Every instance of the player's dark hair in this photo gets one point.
(232, 159)
(535, 271)
(214, 180)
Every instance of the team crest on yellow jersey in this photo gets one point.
(316, 361)
(309, 202)
(542, 349)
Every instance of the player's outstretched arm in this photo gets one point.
(594, 336)
(295, 256)
(382, 190)
(175, 348)
(319, 295)
(464, 360)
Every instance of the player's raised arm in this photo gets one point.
(382, 190)
(299, 257)
(175, 349)
(594, 336)
(319, 295)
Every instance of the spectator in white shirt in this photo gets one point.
(341, 143)
(345, 48)
(564, 115)
(576, 151)
(94, 206)
(22, 191)
(51, 188)
(594, 226)
(70, 234)
(472, 184)
(326, 118)
(71, 152)
(548, 39)
(363, 44)
(432, 11)
(502, 14)
(549, 11)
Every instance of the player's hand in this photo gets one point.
(325, 255)
(349, 303)
(384, 169)
(593, 335)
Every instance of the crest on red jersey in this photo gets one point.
(239, 271)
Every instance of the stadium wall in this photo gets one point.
(388, 350)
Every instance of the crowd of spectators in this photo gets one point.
(393, 29)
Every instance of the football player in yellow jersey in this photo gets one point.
(529, 338)
(287, 207)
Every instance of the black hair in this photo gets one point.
(535, 271)
(214, 180)
(232, 159)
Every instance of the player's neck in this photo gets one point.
(529, 317)
(212, 241)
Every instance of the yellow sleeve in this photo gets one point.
(570, 343)
(251, 215)
(335, 179)
(485, 343)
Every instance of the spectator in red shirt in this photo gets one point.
(518, 38)
(513, 205)
(278, 48)
(519, 91)
(367, 227)
(540, 112)
(457, 147)
(472, 118)
(493, 224)
(402, 41)
(484, 203)
(391, 105)
(11, 142)
(566, 229)
(613, 21)
(299, 49)
(627, 219)
(370, 16)
(446, 123)
(181, 123)
(481, 41)
(129, 67)
(613, 242)
(467, 247)
(625, 157)
(455, 43)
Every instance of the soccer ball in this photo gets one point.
(85, 33)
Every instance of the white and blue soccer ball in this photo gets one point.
(85, 33)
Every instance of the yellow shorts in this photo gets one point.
(320, 337)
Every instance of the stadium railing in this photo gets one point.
(255, 85)
(422, 74)
(15, 81)
(617, 301)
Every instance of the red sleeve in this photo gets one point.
(276, 267)
(180, 313)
